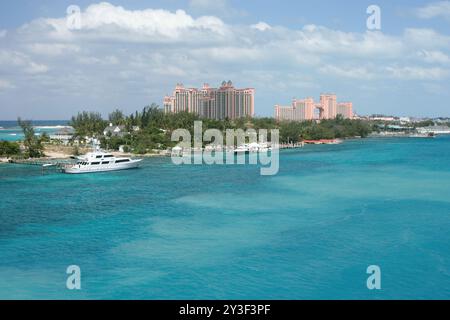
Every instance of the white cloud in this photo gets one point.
(34, 68)
(5, 84)
(229, 54)
(435, 9)
(261, 26)
(418, 73)
(104, 20)
(53, 49)
(425, 38)
(358, 72)
(3, 33)
(22, 61)
(392, 71)
(434, 57)
(105, 61)
(326, 41)
(148, 51)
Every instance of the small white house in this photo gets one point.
(113, 130)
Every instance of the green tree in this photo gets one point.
(88, 124)
(117, 117)
(33, 144)
(8, 148)
(45, 137)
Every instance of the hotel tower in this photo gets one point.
(307, 109)
(212, 103)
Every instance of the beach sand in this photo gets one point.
(58, 152)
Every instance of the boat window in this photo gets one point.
(95, 163)
(123, 160)
(105, 162)
(108, 156)
(98, 157)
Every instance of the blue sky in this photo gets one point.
(128, 54)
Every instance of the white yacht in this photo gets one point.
(242, 149)
(252, 148)
(99, 161)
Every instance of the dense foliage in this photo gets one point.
(8, 149)
(32, 143)
(155, 128)
(88, 124)
(325, 129)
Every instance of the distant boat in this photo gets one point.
(243, 149)
(252, 148)
(100, 162)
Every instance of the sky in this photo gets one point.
(128, 54)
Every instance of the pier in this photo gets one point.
(46, 164)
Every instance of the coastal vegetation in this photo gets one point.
(33, 144)
(9, 149)
(325, 129)
(87, 124)
(151, 128)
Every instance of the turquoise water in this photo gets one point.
(225, 232)
(10, 130)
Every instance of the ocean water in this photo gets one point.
(10, 130)
(225, 232)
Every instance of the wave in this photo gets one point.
(53, 127)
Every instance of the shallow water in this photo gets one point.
(225, 232)
(10, 130)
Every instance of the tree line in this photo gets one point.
(33, 145)
(156, 126)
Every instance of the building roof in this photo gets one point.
(115, 130)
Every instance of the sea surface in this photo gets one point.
(11, 131)
(226, 232)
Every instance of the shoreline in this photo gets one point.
(55, 155)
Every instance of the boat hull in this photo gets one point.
(75, 169)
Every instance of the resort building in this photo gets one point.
(213, 103)
(345, 109)
(328, 106)
(307, 109)
(299, 111)
(63, 136)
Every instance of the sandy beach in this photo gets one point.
(65, 152)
